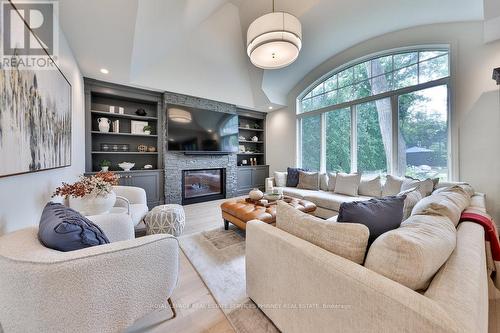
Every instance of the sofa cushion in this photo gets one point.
(392, 185)
(323, 182)
(308, 180)
(414, 252)
(64, 229)
(379, 215)
(347, 184)
(331, 201)
(370, 187)
(348, 240)
(297, 192)
(413, 196)
(449, 203)
(292, 176)
(332, 177)
(279, 179)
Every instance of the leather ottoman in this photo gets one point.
(239, 212)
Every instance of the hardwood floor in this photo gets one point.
(196, 308)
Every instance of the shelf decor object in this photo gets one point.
(274, 40)
(137, 127)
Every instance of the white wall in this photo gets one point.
(475, 102)
(23, 197)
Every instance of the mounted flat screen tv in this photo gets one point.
(201, 131)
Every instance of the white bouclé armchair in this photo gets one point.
(136, 201)
(103, 288)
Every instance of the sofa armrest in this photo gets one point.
(269, 183)
(135, 195)
(117, 227)
(334, 292)
(112, 285)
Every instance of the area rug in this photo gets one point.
(219, 257)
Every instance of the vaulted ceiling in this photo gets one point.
(197, 47)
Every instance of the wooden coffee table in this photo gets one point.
(239, 212)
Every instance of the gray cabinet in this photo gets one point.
(150, 181)
(252, 177)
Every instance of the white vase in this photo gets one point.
(93, 204)
(147, 132)
(105, 168)
(104, 124)
(256, 194)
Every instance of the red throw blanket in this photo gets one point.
(490, 233)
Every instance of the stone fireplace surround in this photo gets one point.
(175, 162)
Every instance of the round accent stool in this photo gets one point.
(165, 219)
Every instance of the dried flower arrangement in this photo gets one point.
(96, 185)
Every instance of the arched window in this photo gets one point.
(382, 114)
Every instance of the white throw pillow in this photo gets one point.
(370, 187)
(413, 196)
(332, 177)
(347, 184)
(323, 182)
(425, 186)
(414, 252)
(392, 185)
(280, 179)
(348, 240)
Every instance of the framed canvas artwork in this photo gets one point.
(35, 120)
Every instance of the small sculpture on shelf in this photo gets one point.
(141, 112)
(142, 148)
(148, 166)
(151, 149)
(105, 164)
(255, 138)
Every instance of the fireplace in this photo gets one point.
(203, 185)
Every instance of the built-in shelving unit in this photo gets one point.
(251, 138)
(121, 143)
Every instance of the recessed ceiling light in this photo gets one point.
(270, 107)
(104, 71)
(209, 131)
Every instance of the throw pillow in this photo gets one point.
(347, 183)
(332, 178)
(449, 203)
(347, 240)
(413, 196)
(308, 180)
(64, 229)
(323, 182)
(425, 186)
(370, 187)
(413, 253)
(292, 176)
(279, 179)
(379, 215)
(392, 185)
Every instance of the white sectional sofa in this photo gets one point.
(339, 295)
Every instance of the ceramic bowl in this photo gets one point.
(126, 166)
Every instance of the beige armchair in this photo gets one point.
(103, 288)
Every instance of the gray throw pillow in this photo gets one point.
(64, 229)
(379, 215)
(292, 176)
(308, 180)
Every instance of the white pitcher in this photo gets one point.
(104, 124)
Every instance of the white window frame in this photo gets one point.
(394, 98)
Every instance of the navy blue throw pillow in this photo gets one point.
(292, 177)
(379, 215)
(64, 229)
